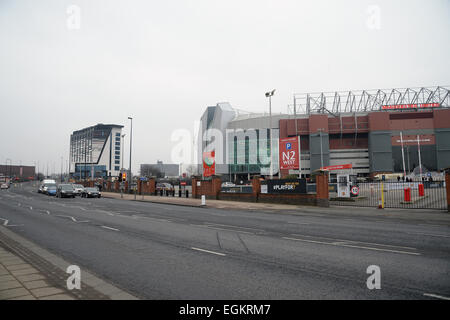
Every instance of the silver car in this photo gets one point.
(78, 189)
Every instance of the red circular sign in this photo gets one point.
(354, 190)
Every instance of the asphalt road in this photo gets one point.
(158, 251)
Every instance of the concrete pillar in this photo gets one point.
(322, 195)
(319, 145)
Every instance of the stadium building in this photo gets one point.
(376, 131)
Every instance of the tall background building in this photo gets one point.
(95, 152)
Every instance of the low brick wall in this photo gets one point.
(296, 199)
(232, 196)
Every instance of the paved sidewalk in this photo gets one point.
(29, 272)
(407, 214)
(21, 281)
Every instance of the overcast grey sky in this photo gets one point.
(164, 62)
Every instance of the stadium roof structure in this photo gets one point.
(371, 100)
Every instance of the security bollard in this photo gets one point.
(421, 190)
(187, 193)
(179, 193)
(407, 195)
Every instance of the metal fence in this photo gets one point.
(408, 195)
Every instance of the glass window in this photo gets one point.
(117, 162)
(117, 134)
(117, 143)
(118, 139)
(118, 153)
(117, 157)
(117, 168)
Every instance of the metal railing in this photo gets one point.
(407, 195)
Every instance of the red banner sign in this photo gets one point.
(209, 164)
(338, 167)
(289, 153)
(410, 106)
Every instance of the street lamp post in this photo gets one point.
(269, 95)
(131, 137)
(123, 151)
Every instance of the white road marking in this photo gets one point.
(207, 251)
(105, 227)
(352, 241)
(231, 226)
(436, 296)
(31, 208)
(72, 218)
(217, 228)
(429, 234)
(339, 244)
(5, 223)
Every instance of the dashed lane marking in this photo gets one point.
(110, 228)
(208, 251)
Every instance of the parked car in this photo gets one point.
(91, 193)
(164, 186)
(78, 189)
(45, 187)
(65, 190)
(40, 189)
(51, 189)
(4, 186)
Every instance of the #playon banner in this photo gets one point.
(209, 164)
(289, 153)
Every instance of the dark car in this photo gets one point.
(65, 191)
(91, 193)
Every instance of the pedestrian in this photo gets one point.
(398, 178)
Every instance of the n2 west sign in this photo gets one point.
(289, 153)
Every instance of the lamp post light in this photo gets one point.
(269, 95)
(131, 137)
(123, 151)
